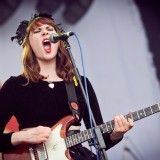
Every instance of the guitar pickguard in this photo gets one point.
(55, 145)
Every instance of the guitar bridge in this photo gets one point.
(38, 152)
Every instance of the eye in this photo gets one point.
(50, 29)
(36, 31)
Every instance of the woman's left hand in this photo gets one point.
(121, 126)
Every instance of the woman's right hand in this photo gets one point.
(32, 136)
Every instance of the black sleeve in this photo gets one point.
(97, 115)
(7, 101)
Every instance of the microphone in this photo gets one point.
(54, 38)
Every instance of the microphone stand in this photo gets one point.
(99, 138)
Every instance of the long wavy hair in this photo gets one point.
(31, 68)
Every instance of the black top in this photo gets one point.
(38, 104)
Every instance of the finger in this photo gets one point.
(116, 125)
(42, 129)
(121, 122)
(124, 122)
(131, 123)
(45, 135)
(128, 124)
(41, 140)
(120, 126)
(44, 140)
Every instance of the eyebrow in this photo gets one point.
(39, 28)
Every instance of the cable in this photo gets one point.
(88, 102)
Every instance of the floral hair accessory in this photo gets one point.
(22, 28)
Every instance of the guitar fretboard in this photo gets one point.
(108, 126)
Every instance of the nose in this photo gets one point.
(44, 33)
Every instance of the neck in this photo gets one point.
(48, 70)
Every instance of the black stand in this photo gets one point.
(98, 135)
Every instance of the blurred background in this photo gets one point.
(120, 40)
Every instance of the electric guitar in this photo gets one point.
(58, 144)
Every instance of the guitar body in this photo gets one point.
(54, 149)
(19, 153)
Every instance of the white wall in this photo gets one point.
(118, 63)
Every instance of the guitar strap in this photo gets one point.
(72, 100)
(83, 152)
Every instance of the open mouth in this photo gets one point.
(47, 45)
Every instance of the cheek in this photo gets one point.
(31, 41)
(34, 45)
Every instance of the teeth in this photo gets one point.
(46, 40)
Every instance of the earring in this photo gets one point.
(59, 54)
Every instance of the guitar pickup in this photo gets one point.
(38, 151)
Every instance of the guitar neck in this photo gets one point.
(108, 126)
(135, 116)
